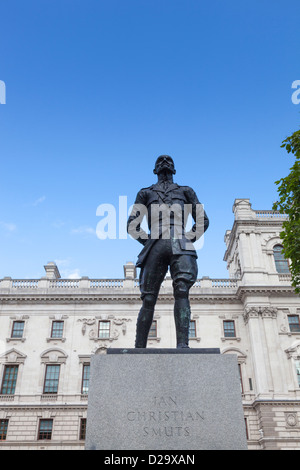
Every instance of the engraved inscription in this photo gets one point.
(165, 417)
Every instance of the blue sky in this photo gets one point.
(97, 89)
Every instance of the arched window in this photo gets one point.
(281, 263)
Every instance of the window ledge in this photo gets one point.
(233, 338)
(157, 339)
(290, 333)
(97, 338)
(195, 338)
(21, 340)
(49, 340)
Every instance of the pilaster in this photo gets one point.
(254, 319)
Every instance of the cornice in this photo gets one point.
(215, 298)
(38, 407)
(284, 291)
(68, 298)
(211, 297)
(275, 402)
(214, 295)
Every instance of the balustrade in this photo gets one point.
(106, 283)
(270, 214)
(93, 284)
(25, 283)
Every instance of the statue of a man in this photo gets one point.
(166, 206)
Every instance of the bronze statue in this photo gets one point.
(166, 206)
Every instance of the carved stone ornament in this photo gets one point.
(255, 312)
(117, 325)
(291, 419)
(283, 328)
(121, 322)
(293, 351)
(85, 322)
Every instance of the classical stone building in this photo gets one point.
(50, 327)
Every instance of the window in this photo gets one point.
(51, 378)
(294, 323)
(246, 426)
(85, 379)
(82, 429)
(9, 380)
(17, 329)
(241, 378)
(104, 329)
(3, 429)
(153, 330)
(229, 329)
(250, 384)
(45, 429)
(297, 363)
(282, 265)
(192, 329)
(57, 329)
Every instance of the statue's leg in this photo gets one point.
(184, 273)
(152, 275)
(182, 314)
(144, 320)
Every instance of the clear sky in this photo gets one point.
(97, 89)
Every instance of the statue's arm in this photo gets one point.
(199, 216)
(139, 211)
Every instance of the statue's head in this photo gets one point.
(164, 163)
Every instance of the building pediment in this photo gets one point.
(13, 356)
(54, 355)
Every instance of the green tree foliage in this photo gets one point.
(289, 203)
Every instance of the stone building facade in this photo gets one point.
(50, 327)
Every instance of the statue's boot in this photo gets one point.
(143, 325)
(182, 314)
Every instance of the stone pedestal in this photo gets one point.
(165, 400)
